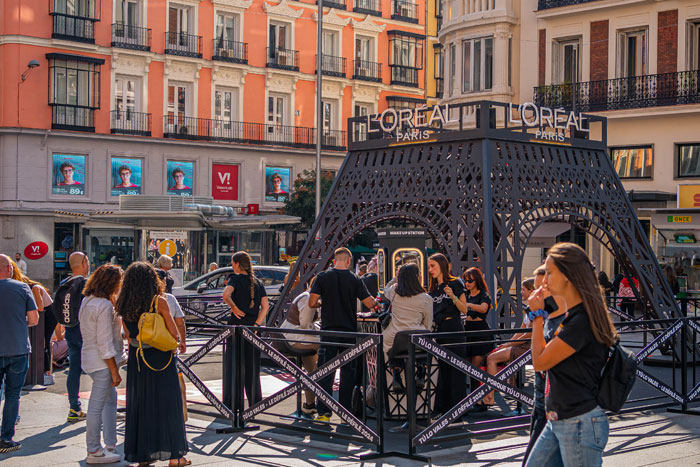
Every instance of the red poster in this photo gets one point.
(224, 182)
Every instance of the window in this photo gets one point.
(178, 109)
(567, 61)
(453, 68)
(632, 50)
(225, 106)
(275, 110)
(437, 70)
(330, 43)
(363, 49)
(74, 19)
(278, 36)
(405, 57)
(74, 91)
(360, 129)
(477, 65)
(327, 116)
(689, 160)
(400, 102)
(226, 28)
(178, 20)
(126, 12)
(125, 94)
(694, 46)
(633, 162)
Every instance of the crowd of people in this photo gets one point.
(568, 330)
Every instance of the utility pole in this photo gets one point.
(319, 104)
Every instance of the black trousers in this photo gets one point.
(348, 372)
(451, 385)
(250, 368)
(537, 424)
(49, 327)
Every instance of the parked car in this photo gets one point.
(214, 282)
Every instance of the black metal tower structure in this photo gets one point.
(481, 185)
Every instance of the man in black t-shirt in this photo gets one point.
(371, 281)
(339, 289)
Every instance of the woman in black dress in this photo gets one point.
(449, 302)
(155, 424)
(478, 306)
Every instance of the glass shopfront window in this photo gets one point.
(114, 246)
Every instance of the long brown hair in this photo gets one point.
(104, 282)
(18, 276)
(444, 269)
(573, 262)
(242, 259)
(140, 285)
(476, 275)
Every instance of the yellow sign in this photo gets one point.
(689, 196)
(680, 219)
(167, 247)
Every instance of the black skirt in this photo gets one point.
(476, 350)
(155, 425)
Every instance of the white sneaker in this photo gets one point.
(102, 457)
(48, 380)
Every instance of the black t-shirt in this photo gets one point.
(478, 299)
(339, 290)
(372, 283)
(551, 329)
(241, 293)
(443, 307)
(572, 385)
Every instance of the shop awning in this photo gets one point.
(153, 219)
(545, 235)
(253, 221)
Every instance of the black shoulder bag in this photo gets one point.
(617, 378)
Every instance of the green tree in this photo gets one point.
(302, 201)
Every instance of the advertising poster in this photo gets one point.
(180, 178)
(224, 182)
(277, 180)
(68, 175)
(126, 176)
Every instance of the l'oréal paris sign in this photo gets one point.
(547, 120)
(410, 124)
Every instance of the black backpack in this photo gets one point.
(617, 378)
(67, 299)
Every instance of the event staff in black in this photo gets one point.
(336, 291)
(246, 297)
(449, 302)
(478, 306)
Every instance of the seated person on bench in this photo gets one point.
(302, 316)
(411, 309)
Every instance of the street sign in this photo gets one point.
(680, 219)
(167, 247)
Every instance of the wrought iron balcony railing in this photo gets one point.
(367, 71)
(72, 117)
(126, 122)
(230, 51)
(182, 44)
(131, 37)
(339, 4)
(229, 131)
(368, 7)
(283, 59)
(73, 28)
(332, 65)
(404, 10)
(547, 4)
(404, 75)
(623, 93)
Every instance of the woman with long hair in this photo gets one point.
(101, 356)
(449, 303)
(246, 297)
(577, 428)
(155, 425)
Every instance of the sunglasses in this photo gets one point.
(469, 281)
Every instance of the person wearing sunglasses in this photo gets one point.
(478, 306)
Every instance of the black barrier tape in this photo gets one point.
(693, 394)
(206, 348)
(694, 325)
(215, 402)
(194, 329)
(663, 387)
(620, 313)
(311, 385)
(431, 431)
(653, 345)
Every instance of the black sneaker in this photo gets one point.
(309, 409)
(9, 446)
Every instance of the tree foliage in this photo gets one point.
(302, 201)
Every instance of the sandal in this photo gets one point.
(181, 462)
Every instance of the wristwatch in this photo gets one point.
(535, 314)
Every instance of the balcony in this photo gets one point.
(404, 75)
(547, 4)
(131, 123)
(182, 44)
(131, 37)
(282, 59)
(228, 131)
(623, 93)
(338, 4)
(230, 51)
(367, 71)
(73, 28)
(72, 117)
(332, 65)
(368, 7)
(403, 10)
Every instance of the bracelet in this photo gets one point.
(536, 314)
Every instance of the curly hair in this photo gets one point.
(139, 286)
(104, 282)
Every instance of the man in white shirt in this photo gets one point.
(21, 264)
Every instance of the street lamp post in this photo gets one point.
(319, 104)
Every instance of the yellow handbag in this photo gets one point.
(153, 332)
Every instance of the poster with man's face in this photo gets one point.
(180, 178)
(126, 176)
(277, 183)
(68, 175)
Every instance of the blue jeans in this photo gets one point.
(102, 411)
(577, 441)
(74, 339)
(13, 370)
